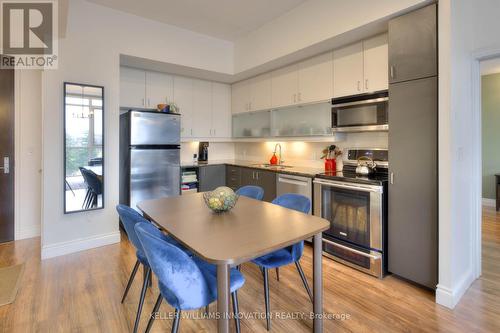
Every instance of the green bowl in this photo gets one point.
(222, 199)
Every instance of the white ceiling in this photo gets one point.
(224, 19)
(491, 66)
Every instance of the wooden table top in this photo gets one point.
(251, 229)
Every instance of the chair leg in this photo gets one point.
(207, 310)
(155, 310)
(277, 273)
(131, 279)
(141, 301)
(304, 280)
(266, 297)
(238, 268)
(236, 311)
(86, 198)
(150, 278)
(175, 324)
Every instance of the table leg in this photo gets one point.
(318, 283)
(223, 293)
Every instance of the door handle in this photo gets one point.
(6, 165)
(359, 85)
(392, 178)
(366, 84)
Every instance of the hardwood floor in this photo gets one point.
(81, 293)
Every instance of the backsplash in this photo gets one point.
(295, 153)
(300, 153)
(216, 151)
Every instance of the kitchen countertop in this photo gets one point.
(292, 170)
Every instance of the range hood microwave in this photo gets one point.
(361, 113)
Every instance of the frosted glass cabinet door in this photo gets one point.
(252, 124)
(309, 120)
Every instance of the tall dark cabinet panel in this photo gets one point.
(413, 144)
(413, 45)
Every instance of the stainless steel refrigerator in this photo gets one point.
(149, 156)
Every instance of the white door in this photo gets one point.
(284, 86)
(376, 63)
(183, 98)
(348, 70)
(240, 97)
(316, 79)
(202, 108)
(132, 88)
(260, 92)
(159, 89)
(221, 110)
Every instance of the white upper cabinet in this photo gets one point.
(183, 98)
(376, 63)
(240, 97)
(221, 110)
(315, 79)
(159, 89)
(260, 92)
(361, 67)
(202, 108)
(284, 86)
(348, 70)
(132, 88)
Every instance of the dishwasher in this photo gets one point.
(294, 184)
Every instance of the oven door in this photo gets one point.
(354, 211)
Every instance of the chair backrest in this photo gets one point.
(255, 192)
(182, 283)
(299, 203)
(130, 218)
(92, 180)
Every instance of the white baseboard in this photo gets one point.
(30, 232)
(63, 248)
(448, 297)
(489, 202)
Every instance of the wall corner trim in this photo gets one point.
(81, 244)
(449, 297)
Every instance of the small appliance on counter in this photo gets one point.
(203, 152)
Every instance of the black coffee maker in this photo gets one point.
(203, 152)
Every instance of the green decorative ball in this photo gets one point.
(222, 199)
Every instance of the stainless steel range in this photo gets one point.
(356, 207)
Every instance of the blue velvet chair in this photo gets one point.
(288, 255)
(254, 192)
(186, 283)
(130, 218)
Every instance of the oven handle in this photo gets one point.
(357, 187)
(351, 249)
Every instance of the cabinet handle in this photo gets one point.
(253, 174)
(300, 97)
(149, 104)
(366, 84)
(143, 102)
(392, 178)
(359, 85)
(392, 71)
(257, 175)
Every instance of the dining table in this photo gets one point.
(251, 229)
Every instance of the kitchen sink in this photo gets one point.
(272, 166)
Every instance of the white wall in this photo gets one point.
(308, 24)
(28, 154)
(465, 28)
(95, 38)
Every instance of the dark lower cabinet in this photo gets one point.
(211, 177)
(237, 177)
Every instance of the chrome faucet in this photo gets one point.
(280, 160)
